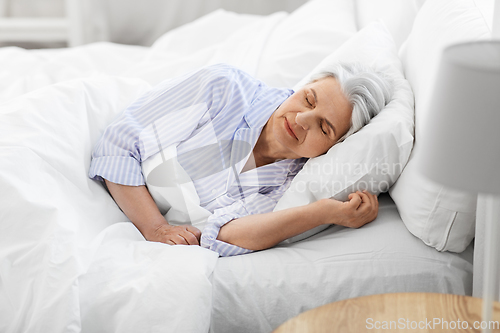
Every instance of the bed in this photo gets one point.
(71, 262)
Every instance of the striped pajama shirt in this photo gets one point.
(214, 117)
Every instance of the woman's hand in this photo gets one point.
(361, 209)
(136, 202)
(175, 235)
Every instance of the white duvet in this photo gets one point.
(69, 260)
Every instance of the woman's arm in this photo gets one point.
(140, 208)
(262, 231)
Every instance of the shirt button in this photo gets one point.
(214, 191)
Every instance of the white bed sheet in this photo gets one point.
(260, 291)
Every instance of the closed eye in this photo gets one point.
(332, 128)
(308, 100)
(322, 129)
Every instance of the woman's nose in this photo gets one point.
(303, 119)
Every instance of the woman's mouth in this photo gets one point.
(289, 130)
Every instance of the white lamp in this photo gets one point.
(463, 139)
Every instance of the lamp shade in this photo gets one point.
(461, 142)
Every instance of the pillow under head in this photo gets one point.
(372, 158)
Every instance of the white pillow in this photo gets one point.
(303, 39)
(441, 217)
(372, 158)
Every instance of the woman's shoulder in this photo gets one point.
(223, 68)
(219, 76)
(227, 72)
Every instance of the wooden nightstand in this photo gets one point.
(399, 312)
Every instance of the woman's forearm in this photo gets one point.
(136, 202)
(138, 205)
(262, 231)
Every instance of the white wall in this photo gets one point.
(35, 8)
(142, 22)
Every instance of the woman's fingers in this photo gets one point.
(364, 197)
(195, 231)
(367, 199)
(177, 235)
(362, 208)
(355, 200)
(189, 237)
(178, 240)
(183, 238)
(370, 203)
(375, 206)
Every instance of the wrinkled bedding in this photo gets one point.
(70, 260)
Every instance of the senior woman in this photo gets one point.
(281, 129)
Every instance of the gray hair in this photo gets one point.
(367, 90)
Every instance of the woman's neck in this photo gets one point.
(265, 150)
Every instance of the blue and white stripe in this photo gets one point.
(214, 116)
(262, 188)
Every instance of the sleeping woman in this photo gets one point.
(263, 136)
